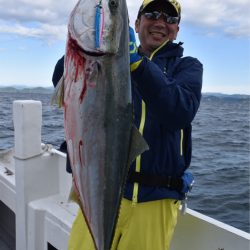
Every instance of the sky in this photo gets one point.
(217, 32)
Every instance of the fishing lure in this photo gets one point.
(99, 22)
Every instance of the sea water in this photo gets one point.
(221, 146)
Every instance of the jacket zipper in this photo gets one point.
(138, 158)
(181, 142)
(141, 129)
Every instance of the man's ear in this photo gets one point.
(178, 28)
(137, 23)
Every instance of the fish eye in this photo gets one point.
(113, 4)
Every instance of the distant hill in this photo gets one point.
(228, 96)
(38, 90)
(50, 90)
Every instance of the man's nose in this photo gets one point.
(160, 22)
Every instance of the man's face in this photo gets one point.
(153, 33)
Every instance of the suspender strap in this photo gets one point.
(156, 181)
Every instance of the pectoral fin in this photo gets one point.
(58, 96)
(73, 195)
(137, 144)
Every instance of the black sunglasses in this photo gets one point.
(155, 15)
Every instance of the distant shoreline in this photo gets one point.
(34, 90)
(50, 90)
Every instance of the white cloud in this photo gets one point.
(50, 32)
(43, 19)
(47, 19)
(228, 16)
(36, 11)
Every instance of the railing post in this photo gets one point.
(27, 123)
(27, 116)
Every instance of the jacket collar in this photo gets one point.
(170, 49)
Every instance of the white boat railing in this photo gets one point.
(35, 186)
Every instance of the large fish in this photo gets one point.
(99, 130)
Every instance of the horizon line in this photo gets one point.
(23, 86)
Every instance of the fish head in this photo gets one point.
(96, 25)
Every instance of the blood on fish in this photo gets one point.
(84, 88)
(87, 73)
(74, 55)
(65, 106)
(80, 153)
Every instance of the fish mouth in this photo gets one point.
(94, 54)
(74, 45)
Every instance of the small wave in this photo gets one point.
(220, 162)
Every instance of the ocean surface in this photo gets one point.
(221, 146)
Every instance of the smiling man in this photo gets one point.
(157, 22)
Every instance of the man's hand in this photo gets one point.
(135, 58)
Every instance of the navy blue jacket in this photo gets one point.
(166, 97)
(166, 91)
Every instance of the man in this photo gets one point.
(166, 92)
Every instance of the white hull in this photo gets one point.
(35, 186)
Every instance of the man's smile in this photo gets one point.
(157, 34)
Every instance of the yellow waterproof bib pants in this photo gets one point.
(141, 226)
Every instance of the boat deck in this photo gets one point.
(35, 211)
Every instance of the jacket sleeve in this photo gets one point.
(58, 71)
(173, 100)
